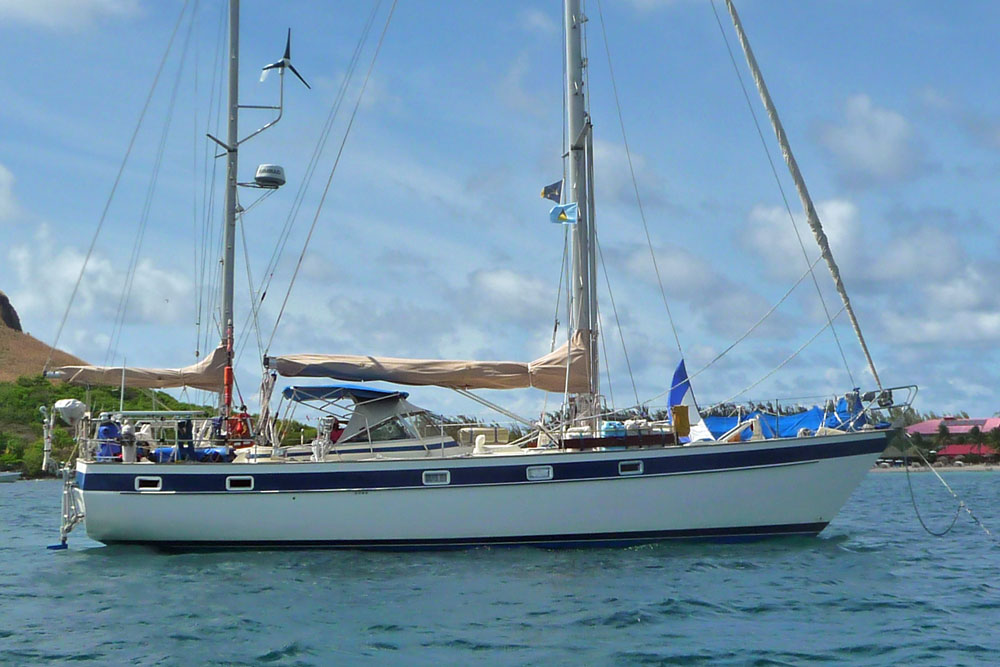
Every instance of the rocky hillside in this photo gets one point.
(8, 316)
(21, 353)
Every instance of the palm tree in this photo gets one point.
(977, 438)
(942, 437)
(994, 438)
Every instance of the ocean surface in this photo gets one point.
(874, 588)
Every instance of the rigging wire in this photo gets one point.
(114, 187)
(194, 177)
(254, 307)
(635, 185)
(555, 325)
(333, 170)
(607, 365)
(745, 334)
(208, 188)
(148, 203)
(783, 363)
(760, 133)
(286, 230)
(618, 323)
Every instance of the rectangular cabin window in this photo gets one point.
(539, 473)
(630, 467)
(242, 483)
(148, 483)
(437, 477)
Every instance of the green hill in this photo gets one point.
(21, 422)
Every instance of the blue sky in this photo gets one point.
(433, 241)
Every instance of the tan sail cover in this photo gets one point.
(548, 372)
(206, 374)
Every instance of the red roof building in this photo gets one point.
(951, 451)
(956, 425)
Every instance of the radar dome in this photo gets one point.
(270, 176)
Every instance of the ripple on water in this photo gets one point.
(875, 589)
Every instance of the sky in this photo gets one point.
(433, 241)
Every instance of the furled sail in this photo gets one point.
(206, 374)
(561, 370)
(800, 185)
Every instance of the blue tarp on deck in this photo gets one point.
(787, 426)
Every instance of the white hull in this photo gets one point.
(9, 476)
(798, 495)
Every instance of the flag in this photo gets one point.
(564, 214)
(679, 386)
(680, 393)
(553, 192)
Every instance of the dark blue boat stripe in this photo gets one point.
(474, 475)
(559, 540)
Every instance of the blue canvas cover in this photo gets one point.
(357, 392)
(788, 426)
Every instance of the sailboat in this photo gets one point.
(583, 479)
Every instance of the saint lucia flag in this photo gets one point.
(681, 394)
(553, 192)
(564, 214)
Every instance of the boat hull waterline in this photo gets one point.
(749, 490)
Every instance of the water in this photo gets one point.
(873, 589)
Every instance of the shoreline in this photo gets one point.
(978, 467)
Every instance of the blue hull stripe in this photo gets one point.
(565, 540)
(473, 475)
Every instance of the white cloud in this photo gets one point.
(614, 177)
(725, 307)
(512, 90)
(934, 99)
(771, 234)
(534, 20)
(945, 326)
(931, 252)
(65, 14)
(649, 5)
(518, 298)
(873, 144)
(8, 203)
(45, 280)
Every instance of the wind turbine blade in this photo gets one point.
(263, 74)
(296, 73)
(288, 45)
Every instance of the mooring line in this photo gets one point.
(961, 503)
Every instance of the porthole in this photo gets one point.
(241, 483)
(437, 477)
(148, 483)
(630, 467)
(539, 473)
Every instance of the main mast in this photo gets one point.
(579, 190)
(229, 231)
